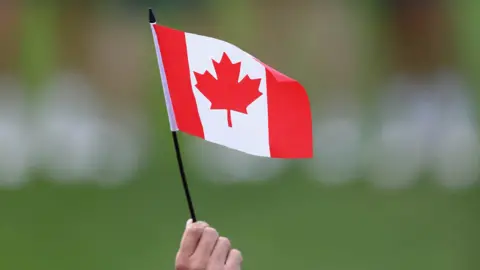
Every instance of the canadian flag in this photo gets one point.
(218, 92)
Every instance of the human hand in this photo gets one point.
(202, 248)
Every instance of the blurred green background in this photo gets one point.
(88, 176)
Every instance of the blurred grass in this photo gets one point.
(286, 224)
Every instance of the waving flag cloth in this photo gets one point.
(218, 92)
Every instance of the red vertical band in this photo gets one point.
(173, 48)
(289, 117)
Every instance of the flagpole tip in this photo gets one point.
(151, 16)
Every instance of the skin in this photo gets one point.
(202, 248)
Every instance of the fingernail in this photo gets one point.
(189, 222)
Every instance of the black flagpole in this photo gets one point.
(184, 177)
(179, 155)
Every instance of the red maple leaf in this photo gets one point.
(226, 92)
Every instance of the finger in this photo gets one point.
(219, 254)
(234, 260)
(204, 249)
(191, 238)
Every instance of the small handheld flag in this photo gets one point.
(174, 131)
(220, 93)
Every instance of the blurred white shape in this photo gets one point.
(14, 135)
(337, 148)
(77, 143)
(398, 153)
(221, 164)
(395, 156)
(123, 149)
(427, 125)
(69, 140)
(456, 161)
